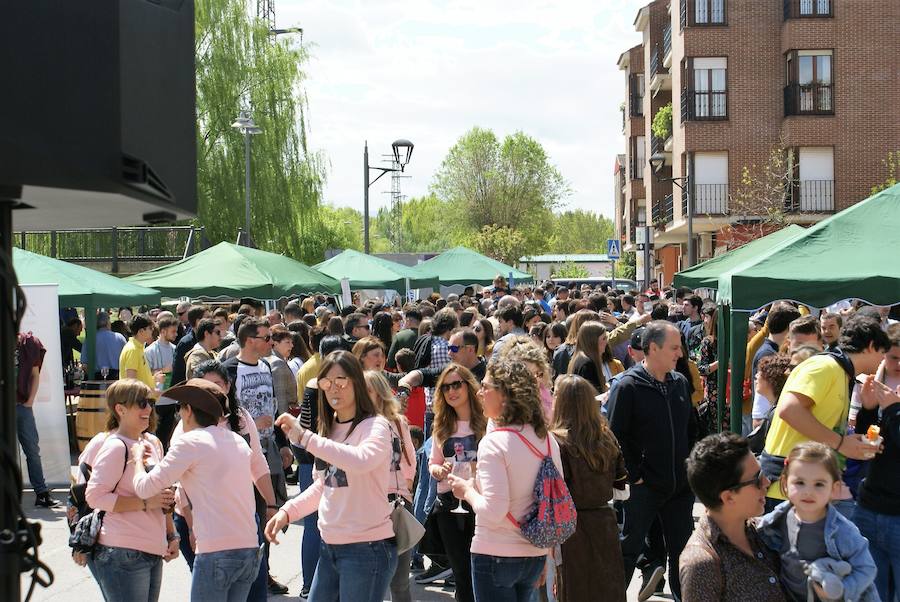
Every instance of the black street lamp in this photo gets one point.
(402, 154)
(247, 127)
(657, 164)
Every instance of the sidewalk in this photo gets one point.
(72, 582)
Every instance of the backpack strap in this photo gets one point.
(528, 443)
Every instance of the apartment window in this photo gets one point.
(812, 184)
(707, 94)
(636, 95)
(637, 157)
(798, 9)
(709, 12)
(810, 88)
(710, 183)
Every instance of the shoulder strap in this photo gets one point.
(528, 443)
(402, 442)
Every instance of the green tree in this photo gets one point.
(892, 165)
(580, 231)
(427, 224)
(240, 66)
(500, 242)
(570, 269)
(510, 185)
(626, 267)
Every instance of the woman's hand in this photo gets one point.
(79, 558)
(137, 453)
(439, 472)
(276, 524)
(171, 551)
(291, 427)
(162, 500)
(460, 487)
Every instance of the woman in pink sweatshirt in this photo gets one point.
(505, 565)
(459, 426)
(358, 555)
(204, 458)
(136, 535)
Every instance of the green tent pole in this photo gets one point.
(738, 351)
(722, 333)
(90, 337)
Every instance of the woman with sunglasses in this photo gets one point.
(402, 468)
(725, 559)
(136, 535)
(459, 426)
(201, 460)
(484, 330)
(358, 555)
(505, 565)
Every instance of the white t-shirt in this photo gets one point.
(295, 363)
(254, 391)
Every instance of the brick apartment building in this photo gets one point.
(818, 77)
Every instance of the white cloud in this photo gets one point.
(428, 71)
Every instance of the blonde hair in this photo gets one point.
(127, 392)
(445, 416)
(382, 396)
(520, 388)
(523, 348)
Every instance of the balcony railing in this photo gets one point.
(656, 145)
(710, 199)
(636, 105)
(114, 245)
(704, 105)
(683, 13)
(635, 169)
(810, 196)
(669, 209)
(667, 40)
(802, 9)
(809, 99)
(654, 62)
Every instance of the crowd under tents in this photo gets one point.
(368, 272)
(851, 254)
(233, 271)
(462, 266)
(79, 286)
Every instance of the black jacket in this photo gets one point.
(186, 343)
(656, 432)
(880, 491)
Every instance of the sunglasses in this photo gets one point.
(756, 481)
(143, 403)
(454, 348)
(325, 384)
(456, 385)
(266, 338)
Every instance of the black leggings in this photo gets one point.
(456, 533)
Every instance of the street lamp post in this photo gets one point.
(402, 153)
(246, 126)
(657, 163)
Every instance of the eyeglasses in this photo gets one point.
(266, 338)
(453, 348)
(143, 403)
(456, 385)
(487, 385)
(325, 384)
(478, 329)
(756, 481)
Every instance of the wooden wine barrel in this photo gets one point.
(90, 418)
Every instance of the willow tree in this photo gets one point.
(241, 66)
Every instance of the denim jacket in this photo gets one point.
(843, 542)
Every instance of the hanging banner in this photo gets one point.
(42, 319)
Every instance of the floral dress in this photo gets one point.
(708, 355)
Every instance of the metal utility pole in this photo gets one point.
(402, 153)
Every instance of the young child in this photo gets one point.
(823, 555)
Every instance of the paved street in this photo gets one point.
(75, 583)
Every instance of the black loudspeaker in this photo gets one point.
(97, 104)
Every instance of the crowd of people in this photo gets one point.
(451, 407)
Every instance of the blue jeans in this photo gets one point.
(185, 544)
(309, 546)
(224, 576)
(354, 572)
(126, 575)
(259, 589)
(506, 579)
(883, 533)
(26, 430)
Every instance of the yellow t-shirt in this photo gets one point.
(824, 381)
(132, 358)
(308, 371)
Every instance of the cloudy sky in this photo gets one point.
(428, 71)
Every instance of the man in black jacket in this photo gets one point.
(654, 422)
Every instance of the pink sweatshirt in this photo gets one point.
(136, 530)
(459, 447)
(402, 471)
(213, 466)
(505, 478)
(351, 483)
(258, 465)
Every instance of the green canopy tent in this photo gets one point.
(851, 254)
(370, 272)
(464, 266)
(80, 287)
(706, 274)
(229, 270)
